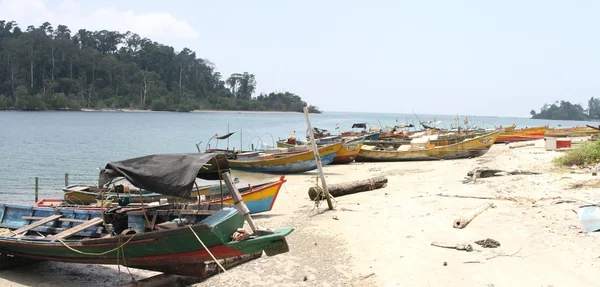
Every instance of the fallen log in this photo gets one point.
(464, 220)
(210, 270)
(341, 189)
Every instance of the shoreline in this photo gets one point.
(194, 111)
(542, 243)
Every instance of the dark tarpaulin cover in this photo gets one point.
(168, 174)
(222, 137)
(359, 126)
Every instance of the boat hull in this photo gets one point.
(348, 152)
(295, 163)
(526, 134)
(260, 200)
(475, 147)
(164, 250)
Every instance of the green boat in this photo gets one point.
(166, 238)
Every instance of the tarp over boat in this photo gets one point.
(168, 174)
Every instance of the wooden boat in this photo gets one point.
(508, 128)
(571, 132)
(163, 238)
(475, 147)
(284, 162)
(258, 198)
(524, 134)
(79, 236)
(83, 194)
(346, 154)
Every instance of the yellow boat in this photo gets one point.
(525, 134)
(285, 162)
(509, 128)
(474, 147)
(348, 152)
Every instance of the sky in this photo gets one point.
(488, 58)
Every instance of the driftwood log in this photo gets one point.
(462, 221)
(483, 172)
(465, 246)
(346, 188)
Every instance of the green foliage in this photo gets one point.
(108, 69)
(587, 153)
(561, 111)
(313, 109)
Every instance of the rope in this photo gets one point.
(213, 257)
(96, 254)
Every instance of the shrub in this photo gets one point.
(585, 154)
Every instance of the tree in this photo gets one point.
(532, 113)
(51, 67)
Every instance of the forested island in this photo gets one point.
(52, 68)
(564, 110)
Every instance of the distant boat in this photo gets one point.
(524, 134)
(283, 162)
(474, 147)
(346, 154)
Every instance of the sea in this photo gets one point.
(49, 144)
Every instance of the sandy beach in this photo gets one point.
(383, 237)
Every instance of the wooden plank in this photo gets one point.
(36, 224)
(76, 229)
(60, 219)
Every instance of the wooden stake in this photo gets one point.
(36, 189)
(237, 200)
(318, 159)
(66, 179)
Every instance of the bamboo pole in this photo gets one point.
(317, 159)
(36, 188)
(237, 200)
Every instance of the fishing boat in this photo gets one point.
(284, 162)
(259, 198)
(346, 154)
(162, 238)
(84, 194)
(524, 134)
(475, 147)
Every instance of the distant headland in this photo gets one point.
(53, 68)
(564, 110)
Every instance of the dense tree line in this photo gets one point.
(50, 67)
(564, 110)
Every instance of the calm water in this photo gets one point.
(49, 144)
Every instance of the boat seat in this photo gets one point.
(76, 229)
(21, 231)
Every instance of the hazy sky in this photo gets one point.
(438, 57)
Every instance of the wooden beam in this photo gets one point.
(60, 219)
(76, 229)
(318, 159)
(36, 224)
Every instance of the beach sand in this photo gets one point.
(383, 237)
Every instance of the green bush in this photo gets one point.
(585, 154)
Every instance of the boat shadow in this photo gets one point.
(70, 274)
(265, 215)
